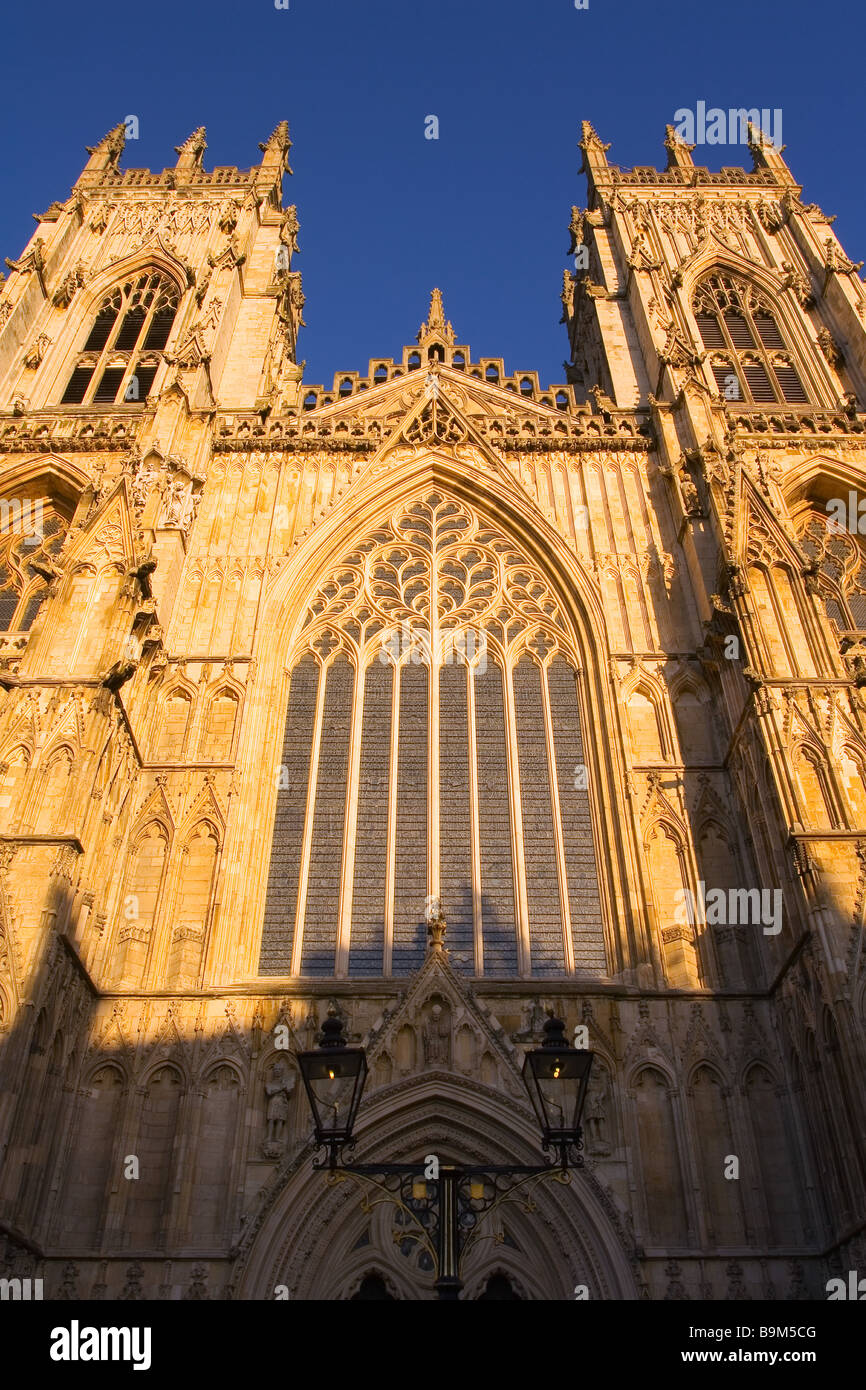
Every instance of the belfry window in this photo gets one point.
(124, 348)
(748, 355)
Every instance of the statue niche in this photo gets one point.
(279, 1086)
(436, 1032)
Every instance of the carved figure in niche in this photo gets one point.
(437, 1036)
(691, 497)
(533, 1020)
(174, 503)
(279, 1086)
(144, 479)
(596, 1113)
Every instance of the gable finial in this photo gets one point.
(436, 325)
(436, 926)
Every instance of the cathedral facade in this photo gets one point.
(284, 667)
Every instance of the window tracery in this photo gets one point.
(840, 568)
(433, 746)
(32, 532)
(126, 342)
(748, 355)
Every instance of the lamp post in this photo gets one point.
(447, 1209)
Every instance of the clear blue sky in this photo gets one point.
(385, 214)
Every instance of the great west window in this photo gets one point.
(433, 745)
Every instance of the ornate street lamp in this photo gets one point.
(334, 1075)
(556, 1076)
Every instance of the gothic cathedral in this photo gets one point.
(286, 669)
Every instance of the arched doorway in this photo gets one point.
(322, 1236)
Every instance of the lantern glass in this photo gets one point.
(556, 1076)
(334, 1079)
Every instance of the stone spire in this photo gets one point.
(436, 329)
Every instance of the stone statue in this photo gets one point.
(175, 504)
(596, 1114)
(533, 1019)
(437, 1036)
(279, 1086)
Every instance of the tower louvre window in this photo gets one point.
(711, 335)
(768, 331)
(759, 383)
(734, 319)
(792, 387)
(136, 318)
(725, 375)
(77, 386)
(107, 389)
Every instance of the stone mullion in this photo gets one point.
(433, 797)
(391, 847)
(518, 851)
(474, 826)
(307, 844)
(559, 844)
(344, 928)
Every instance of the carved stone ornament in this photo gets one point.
(69, 287)
(37, 352)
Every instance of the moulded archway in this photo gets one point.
(318, 1237)
(498, 501)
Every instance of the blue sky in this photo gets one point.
(386, 214)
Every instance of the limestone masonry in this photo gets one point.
(282, 664)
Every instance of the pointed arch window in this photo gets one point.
(32, 531)
(433, 745)
(748, 356)
(125, 346)
(840, 558)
